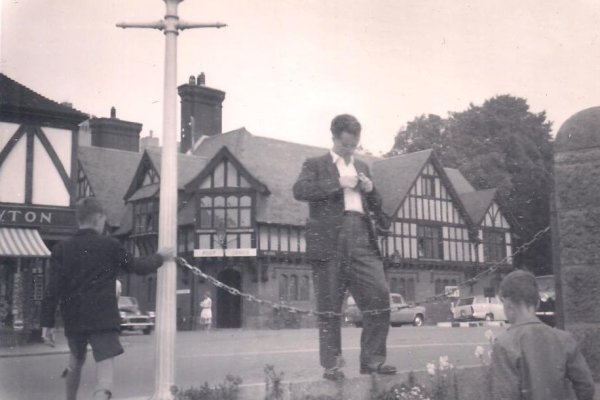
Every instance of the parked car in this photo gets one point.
(545, 311)
(132, 318)
(402, 313)
(478, 308)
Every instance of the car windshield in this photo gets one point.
(125, 301)
(465, 302)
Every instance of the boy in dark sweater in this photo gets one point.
(532, 361)
(82, 279)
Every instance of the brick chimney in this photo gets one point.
(149, 142)
(114, 133)
(201, 111)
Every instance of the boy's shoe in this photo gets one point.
(334, 374)
(380, 369)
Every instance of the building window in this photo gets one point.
(494, 245)
(293, 292)
(145, 216)
(430, 244)
(284, 239)
(283, 287)
(229, 218)
(294, 287)
(305, 288)
(410, 289)
(233, 211)
(428, 186)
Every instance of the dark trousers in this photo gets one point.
(355, 267)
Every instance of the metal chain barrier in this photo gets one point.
(295, 310)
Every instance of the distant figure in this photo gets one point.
(206, 313)
(532, 361)
(119, 289)
(83, 279)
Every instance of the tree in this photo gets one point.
(500, 144)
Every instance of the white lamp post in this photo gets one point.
(166, 303)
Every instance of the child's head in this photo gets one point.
(520, 295)
(90, 214)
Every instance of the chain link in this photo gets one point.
(331, 314)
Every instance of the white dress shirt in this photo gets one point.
(352, 197)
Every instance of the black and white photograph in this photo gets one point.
(299, 200)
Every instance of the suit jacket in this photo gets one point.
(319, 185)
(83, 272)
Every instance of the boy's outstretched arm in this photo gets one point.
(144, 265)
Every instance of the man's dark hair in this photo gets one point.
(345, 122)
(87, 209)
(520, 287)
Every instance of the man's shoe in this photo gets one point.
(380, 369)
(334, 374)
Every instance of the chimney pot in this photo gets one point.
(113, 112)
(201, 79)
(192, 80)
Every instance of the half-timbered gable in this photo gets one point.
(429, 223)
(225, 198)
(38, 173)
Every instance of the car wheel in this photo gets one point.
(358, 324)
(418, 321)
(489, 317)
(147, 331)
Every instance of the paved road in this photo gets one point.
(209, 357)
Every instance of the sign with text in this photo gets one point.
(452, 291)
(15, 215)
(199, 253)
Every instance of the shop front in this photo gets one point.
(27, 233)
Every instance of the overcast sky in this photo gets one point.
(289, 66)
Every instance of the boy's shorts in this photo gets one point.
(104, 344)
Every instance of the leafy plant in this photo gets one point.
(273, 383)
(228, 390)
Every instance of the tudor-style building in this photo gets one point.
(38, 169)
(239, 222)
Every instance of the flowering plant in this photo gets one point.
(406, 392)
(444, 384)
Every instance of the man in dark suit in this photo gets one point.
(342, 247)
(83, 276)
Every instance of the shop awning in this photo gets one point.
(21, 242)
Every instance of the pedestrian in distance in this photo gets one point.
(531, 360)
(82, 279)
(341, 241)
(206, 313)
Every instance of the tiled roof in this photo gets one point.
(145, 192)
(458, 180)
(16, 98)
(394, 177)
(109, 172)
(276, 164)
(477, 203)
(188, 166)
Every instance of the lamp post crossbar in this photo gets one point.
(166, 303)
